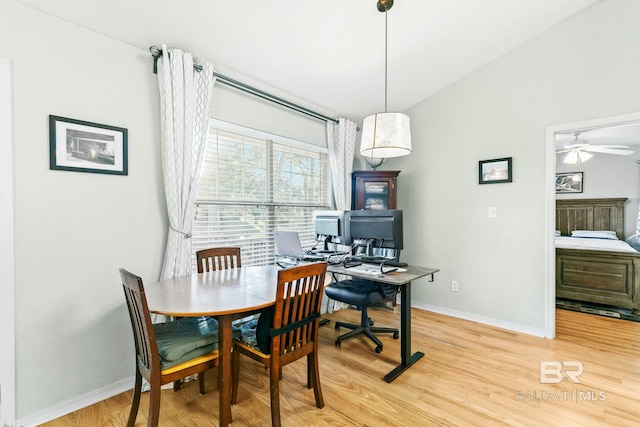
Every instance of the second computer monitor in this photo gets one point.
(378, 228)
(329, 226)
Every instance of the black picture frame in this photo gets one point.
(80, 146)
(569, 182)
(495, 171)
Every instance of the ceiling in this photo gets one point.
(327, 55)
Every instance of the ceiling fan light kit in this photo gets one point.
(385, 135)
(576, 157)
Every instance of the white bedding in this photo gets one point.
(594, 244)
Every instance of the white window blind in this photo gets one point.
(253, 183)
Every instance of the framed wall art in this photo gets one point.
(495, 171)
(570, 182)
(76, 145)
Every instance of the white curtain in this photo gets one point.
(341, 141)
(185, 95)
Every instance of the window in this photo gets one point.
(253, 183)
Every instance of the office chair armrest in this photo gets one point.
(388, 291)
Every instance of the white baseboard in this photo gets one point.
(515, 327)
(75, 404)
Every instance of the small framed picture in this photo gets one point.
(495, 171)
(570, 182)
(75, 145)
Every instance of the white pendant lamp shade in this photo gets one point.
(386, 135)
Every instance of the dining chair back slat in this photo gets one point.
(213, 259)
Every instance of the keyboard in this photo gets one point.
(396, 264)
(373, 259)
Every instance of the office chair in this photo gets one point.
(213, 259)
(165, 352)
(288, 332)
(363, 294)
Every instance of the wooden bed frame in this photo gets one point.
(603, 277)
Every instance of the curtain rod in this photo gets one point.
(156, 52)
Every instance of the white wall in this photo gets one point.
(582, 69)
(234, 106)
(74, 230)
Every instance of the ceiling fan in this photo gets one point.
(580, 150)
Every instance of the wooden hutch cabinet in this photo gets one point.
(373, 189)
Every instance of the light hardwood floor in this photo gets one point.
(471, 375)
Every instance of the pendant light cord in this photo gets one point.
(385, 60)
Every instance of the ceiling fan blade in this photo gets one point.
(606, 150)
(611, 146)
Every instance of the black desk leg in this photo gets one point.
(408, 359)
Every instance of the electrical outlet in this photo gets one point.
(454, 286)
(493, 212)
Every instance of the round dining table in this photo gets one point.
(225, 295)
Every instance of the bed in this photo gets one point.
(603, 271)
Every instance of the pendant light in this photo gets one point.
(385, 134)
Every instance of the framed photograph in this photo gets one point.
(570, 182)
(75, 145)
(495, 171)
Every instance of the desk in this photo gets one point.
(223, 294)
(402, 279)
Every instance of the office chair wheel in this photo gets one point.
(337, 327)
(338, 342)
(396, 335)
(370, 321)
(379, 348)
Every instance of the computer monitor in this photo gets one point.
(374, 228)
(329, 227)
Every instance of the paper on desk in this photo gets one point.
(374, 269)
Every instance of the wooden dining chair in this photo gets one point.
(165, 352)
(291, 332)
(212, 259)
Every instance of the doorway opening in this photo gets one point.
(614, 127)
